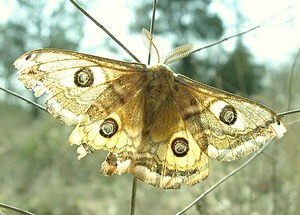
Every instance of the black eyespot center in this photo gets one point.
(108, 128)
(228, 115)
(180, 147)
(84, 77)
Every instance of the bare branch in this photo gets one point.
(105, 30)
(15, 209)
(246, 31)
(23, 98)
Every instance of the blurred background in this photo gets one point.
(39, 172)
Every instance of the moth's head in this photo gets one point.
(159, 71)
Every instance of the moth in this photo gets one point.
(155, 124)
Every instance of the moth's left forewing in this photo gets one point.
(74, 82)
(232, 126)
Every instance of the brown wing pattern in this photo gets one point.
(162, 158)
(74, 81)
(232, 126)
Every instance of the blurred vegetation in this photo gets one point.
(239, 74)
(39, 172)
(35, 25)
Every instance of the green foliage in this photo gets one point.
(239, 74)
(187, 20)
(39, 172)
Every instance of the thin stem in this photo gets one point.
(105, 30)
(289, 112)
(133, 196)
(152, 29)
(23, 98)
(15, 209)
(224, 39)
(244, 32)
